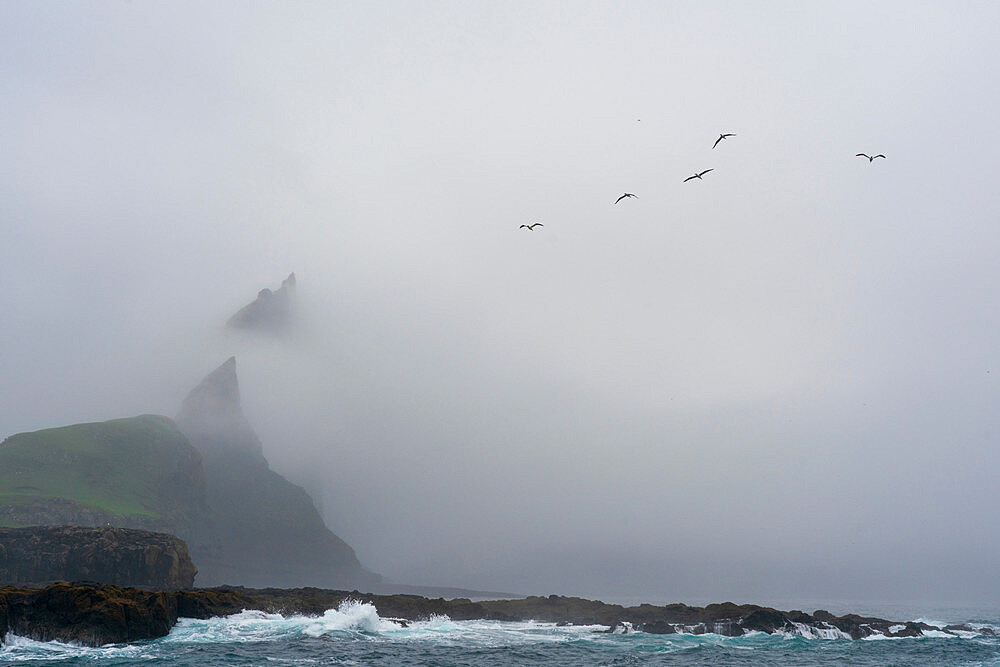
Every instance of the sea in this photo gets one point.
(355, 634)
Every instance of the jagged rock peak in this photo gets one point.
(270, 312)
(211, 416)
(217, 394)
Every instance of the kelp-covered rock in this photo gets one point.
(45, 554)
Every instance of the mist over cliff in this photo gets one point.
(778, 382)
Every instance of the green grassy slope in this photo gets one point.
(125, 467)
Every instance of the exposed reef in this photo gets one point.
(96, 614)
(46, 554)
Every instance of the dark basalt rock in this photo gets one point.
(659, 628)
(764, 620)
(94, 614)
(44, 554)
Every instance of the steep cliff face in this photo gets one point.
(139, 472)
(243, 523)
(267, 531)
(40, 555)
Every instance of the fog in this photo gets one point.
(776, 383)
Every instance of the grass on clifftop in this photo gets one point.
(114, 466)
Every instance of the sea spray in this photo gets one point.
(355, 633)
(351, 616)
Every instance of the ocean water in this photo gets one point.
(355, 634)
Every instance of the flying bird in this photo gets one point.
(871, 158)
(721, 137)
(627, 194)
(697, 175)
(532, 226)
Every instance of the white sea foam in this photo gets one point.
(827, 631)
(22, 649)
(939, 634)
(359, 621)
(443, 630)
(623, 628)
(351, 615)
(968, 634)
(258, 626)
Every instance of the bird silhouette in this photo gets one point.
(627, 194)
(532, 226)
(697, 175)
(721, 137)
(871, 158)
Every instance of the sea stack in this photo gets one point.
(267, 531)
(270, 313)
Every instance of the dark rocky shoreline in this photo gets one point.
(95, 614)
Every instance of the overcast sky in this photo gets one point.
(779, 382)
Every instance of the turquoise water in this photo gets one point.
(355, 634)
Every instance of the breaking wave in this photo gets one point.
(355, 633)
(350, 617)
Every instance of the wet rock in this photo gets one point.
(44, 554)
(764, 620)
(94, 614)
(659, 628)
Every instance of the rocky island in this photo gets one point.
(202, 478)
(47, 554)
(139, 510)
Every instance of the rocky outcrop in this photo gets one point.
(266, 530)
(94, 614)
(270, 313)
(212, 418)
(45, 554)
